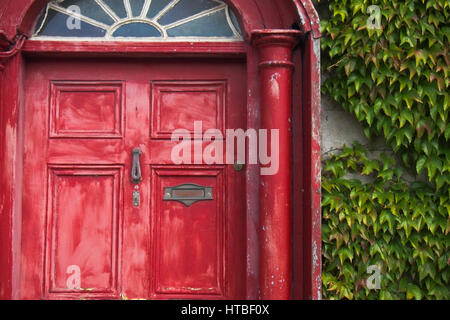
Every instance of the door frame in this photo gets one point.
(267, 31)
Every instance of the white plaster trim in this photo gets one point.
(108, 10)
(195, 17)
(166, 9)
(145, 9)
(43, 22)
(138, 39)
(135, 20)
(230, 23)
(127, 5)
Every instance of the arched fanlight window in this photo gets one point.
(147, 20)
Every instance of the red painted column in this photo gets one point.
(275, 64)
(10, 77)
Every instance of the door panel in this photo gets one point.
(85, 109)
(94, 227)
(82, 120)
(190, 101)
(189, 250)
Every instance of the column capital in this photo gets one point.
(278, 37)
(275, 46)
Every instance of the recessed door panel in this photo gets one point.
(177, 104)
(83, 231)
(85, 109)
(189, 251)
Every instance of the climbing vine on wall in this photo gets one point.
(387, 62)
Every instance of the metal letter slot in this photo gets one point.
(188, 194)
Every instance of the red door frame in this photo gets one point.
(300, 249)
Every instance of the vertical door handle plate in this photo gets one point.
(136, 173)
(136, 198)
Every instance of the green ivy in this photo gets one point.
(394, 79)
(399, 227)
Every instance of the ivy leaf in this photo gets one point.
(343, 13)
(406, 115)
(345, 253)
(370, 166)
(433, 166)
(447, 133)
(420, 164)
(413, 291)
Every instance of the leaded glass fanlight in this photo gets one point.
(145, 20)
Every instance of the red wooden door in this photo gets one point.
(82, 234)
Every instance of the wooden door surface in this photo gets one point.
(87, 230)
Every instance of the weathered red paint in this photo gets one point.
(83, 156)
(17, 17)
(276, 66)
(312, 208)
(136, 49)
